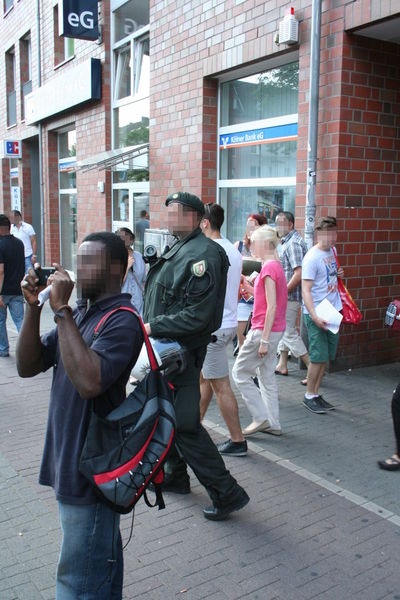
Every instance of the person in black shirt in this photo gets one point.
(12, 271)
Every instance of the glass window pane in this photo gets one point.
(67, 179)
(141, 218)
(262, 96)
(123, 72)
(142, 67)
(261, 160)
(69, 230)
(239, 203)
(131, 124)
(130, 17)
(67, 144)
(69, 47)
(121, 205)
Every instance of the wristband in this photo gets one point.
(60, 314)
(266, 342)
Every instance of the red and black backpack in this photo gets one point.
(124, 451)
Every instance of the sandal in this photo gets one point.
(277, 372)
(304, 381)
(390, 464)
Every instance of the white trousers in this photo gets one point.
(262, 403)
(291, 339)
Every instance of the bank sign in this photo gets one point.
(267, 135)
(11, 149)
(78, 19)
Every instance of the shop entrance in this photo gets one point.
(131, 209)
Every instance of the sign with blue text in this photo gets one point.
(78, 19)
(267, 135)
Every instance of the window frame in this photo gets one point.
(7, 10)
(252, 182)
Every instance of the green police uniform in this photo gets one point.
(184, 300)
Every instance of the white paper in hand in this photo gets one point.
(326, 311)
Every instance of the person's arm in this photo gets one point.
(309, 303)
(82, 365)
(294, 253)
(34, 248)
(1, 284)
(270, 294)
(29, 347)
(131, 262)
(295, 280)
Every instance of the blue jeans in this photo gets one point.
(15, 305)
(28, 263)
(90, 539)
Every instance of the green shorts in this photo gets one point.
(322, 344)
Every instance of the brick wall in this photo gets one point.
(358, 166)
(368, 194)
(91, 121)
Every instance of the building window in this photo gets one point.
(8, 4)
(10, 84)
(131, 68)
(67, 198)
(130, 113)
(25, 66)
(258, 146)
(64, 48)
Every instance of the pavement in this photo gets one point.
(323, 521)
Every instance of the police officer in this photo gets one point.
(184, 301)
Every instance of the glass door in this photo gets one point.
(69, 230)
(131, 209)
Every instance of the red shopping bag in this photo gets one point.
(350, 311)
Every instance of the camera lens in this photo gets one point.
(150, 251)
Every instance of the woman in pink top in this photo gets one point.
(258, 353)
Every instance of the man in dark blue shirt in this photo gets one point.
(86, 371)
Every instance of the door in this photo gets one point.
(130, 209)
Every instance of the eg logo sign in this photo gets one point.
(85, 19)
(78, 19)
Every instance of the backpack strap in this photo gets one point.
(149, 347)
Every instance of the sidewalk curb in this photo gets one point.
(306, 474)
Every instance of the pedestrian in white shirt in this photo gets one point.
(214, 376)
(319, 281)
(25, 232)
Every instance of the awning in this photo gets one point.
(108, 160)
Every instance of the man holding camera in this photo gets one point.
(184, 301)
(87, 371)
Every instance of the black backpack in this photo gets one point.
(124, 451)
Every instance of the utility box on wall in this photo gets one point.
(289, 29)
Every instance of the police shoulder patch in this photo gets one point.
(199, 268)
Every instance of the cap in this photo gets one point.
(186, 199)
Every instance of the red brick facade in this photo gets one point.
(359, 116)
(91, 121)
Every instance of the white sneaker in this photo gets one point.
(256, 426)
